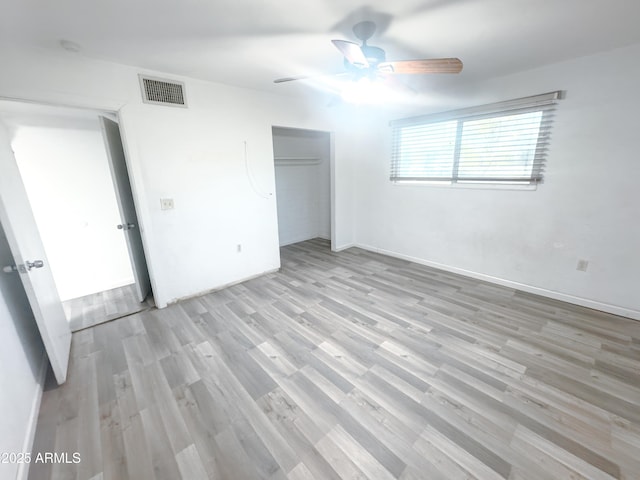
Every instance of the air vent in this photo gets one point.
(162, 92)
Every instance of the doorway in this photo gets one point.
(66, 166)
(302, 161)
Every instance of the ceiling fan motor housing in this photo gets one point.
(374, 55)
(364, 30)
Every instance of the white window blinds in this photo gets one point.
(503, 142)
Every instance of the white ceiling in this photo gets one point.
(249, 43)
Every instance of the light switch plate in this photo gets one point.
(166, 204)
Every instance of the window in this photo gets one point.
(501, 143)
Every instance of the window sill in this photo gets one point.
(467, 186)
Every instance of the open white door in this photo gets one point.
(31, 262)
(129, 220)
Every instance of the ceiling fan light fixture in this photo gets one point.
(364, 91)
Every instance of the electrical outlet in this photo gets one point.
(582, 265)
(239, 248)
(166, 204)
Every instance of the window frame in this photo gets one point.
(544, 103)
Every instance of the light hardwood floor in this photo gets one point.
(91, 310)
(350, 365)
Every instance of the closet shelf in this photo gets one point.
(286, 161)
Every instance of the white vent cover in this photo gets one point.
(162, 92)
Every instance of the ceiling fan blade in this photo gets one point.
(352, 52)
(291, 79)
(434, 65)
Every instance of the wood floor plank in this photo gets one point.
(348, 365)
(163, 459)
(190, 464)
(202, 430)
(138, 454)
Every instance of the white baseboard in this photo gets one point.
(221, 287)
(340, 248)
(565, 297)
(304, 239)
(23, 468)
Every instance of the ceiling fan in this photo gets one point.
(362, 61)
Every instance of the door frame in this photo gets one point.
(116, 110)
(332, 190)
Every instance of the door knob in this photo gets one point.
(34, 264)
(126, 226)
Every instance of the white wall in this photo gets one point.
(196, 156)
(193, 155)
(21, 361)
(587, 208)
(67, 177)
(302, 184)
